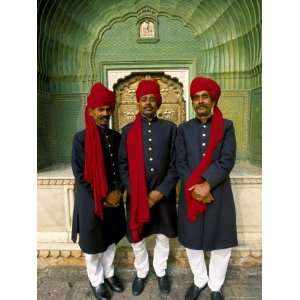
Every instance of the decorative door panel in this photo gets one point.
(173, 104)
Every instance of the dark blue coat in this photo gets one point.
(159, 155)
(216, 228)
(96, 235)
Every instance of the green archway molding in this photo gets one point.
(77, 39)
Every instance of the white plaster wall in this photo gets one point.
(56, 200)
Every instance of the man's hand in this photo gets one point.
(201, 191)
(208, 199)
(154, 197)
(113, 198)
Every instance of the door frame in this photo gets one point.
(184, 70)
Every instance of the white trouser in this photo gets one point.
(160, 256)
(100, 265)
(218, 264)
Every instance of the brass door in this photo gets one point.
(173, 104)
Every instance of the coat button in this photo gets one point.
(150, 140)
(109, 145)
(114, 173)
(150, 149)
(111, 155)
(203, 154)
(151, 158)
(203, 144)
(204, 126)
(149, 123)
(152, 169)
(149, 131)
(203, 134)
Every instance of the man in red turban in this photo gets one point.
(205, 156)
(147, 169)
(99, 215)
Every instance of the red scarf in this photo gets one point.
(139, 207)
(194, 207)
(94, 168)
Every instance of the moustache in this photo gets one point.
(202, 106)
(104, 118)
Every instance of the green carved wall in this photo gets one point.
(43, 147)
(255, 134)
(76, 39)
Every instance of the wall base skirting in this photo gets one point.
(73, 256)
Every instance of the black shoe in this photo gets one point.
(164, 284)
(193, 292)
(216, 296)
(101, 292)
(138, 285)
(114, 284)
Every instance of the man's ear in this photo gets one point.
(90, 111)
(212, 107)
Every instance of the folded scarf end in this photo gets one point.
(135, 235)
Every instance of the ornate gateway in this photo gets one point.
(173, 104)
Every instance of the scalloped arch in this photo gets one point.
(123, 18)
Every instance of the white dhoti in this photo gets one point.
(160, 256)
(100, 265)
(218, 264)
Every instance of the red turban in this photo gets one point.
(194, 207)
(147, 87)
(205, 84)
(100, 96)
(94, 167)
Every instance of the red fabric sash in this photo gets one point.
(94, 169)
(139, 207)
(194, 207)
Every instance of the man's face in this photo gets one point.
(202, 104)
(101, 114)
(147, 106)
